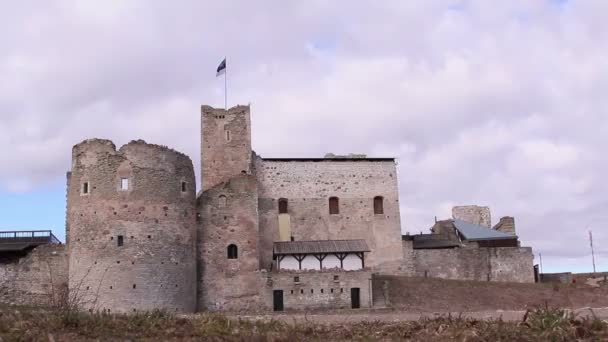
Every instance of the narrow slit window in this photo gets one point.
(334, 206)
(183, 186)
(85, 188)
(378, 205)
(124, 184)
(283, 205)
(222, 201)
(233, 251)
(120, 241)
(227, 135)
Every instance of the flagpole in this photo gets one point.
(226, 85)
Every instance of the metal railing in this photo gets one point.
(35, 236)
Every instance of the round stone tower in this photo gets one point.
(131, 224)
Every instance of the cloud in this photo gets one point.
(494, 103)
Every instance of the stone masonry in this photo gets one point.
(139, 237)
(132, 249)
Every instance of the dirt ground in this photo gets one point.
(386, 316)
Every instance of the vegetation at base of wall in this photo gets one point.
(542, 324)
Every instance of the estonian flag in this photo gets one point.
(221, 69)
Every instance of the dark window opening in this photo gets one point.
(302, 291)
(312, 291)
(120, 241)
(331, 290)
(293, 239)
(321, 290)
(283, 205)
(341, 290)
(336, 277)
(291, 291)
(85, 188)
(378, 205)
(183, 186)
(334, 206)
(233, 252)
(134, 286)
(296, 279)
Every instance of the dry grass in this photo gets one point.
(543, 324)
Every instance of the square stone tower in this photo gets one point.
(225, 144)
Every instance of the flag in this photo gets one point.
(221, 69)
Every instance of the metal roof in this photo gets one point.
(473, 232)
(320, 247)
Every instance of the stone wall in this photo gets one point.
(228, 213)
(510, 264)
(308, 185)
(38, 276)
(321, 290)
(225, 144)
(155, 219)
(473, 214)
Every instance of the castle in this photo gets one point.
(262, 234)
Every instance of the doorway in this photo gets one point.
(277, 300)
(355, 301)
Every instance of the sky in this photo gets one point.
(497, 103)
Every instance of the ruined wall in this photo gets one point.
(155, 268)
(511, 264)
(228, 215)
(473, 214)
(308, 185)
(38, 276)
(225, 144)
(506, 225)
(320, 290)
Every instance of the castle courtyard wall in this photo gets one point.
(38, 277)
(504, 264)
(308, 185)
(321, 290)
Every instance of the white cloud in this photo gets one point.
(494, 103)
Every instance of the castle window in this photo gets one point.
(222, 201)
(233, 251)
(378, 205)
(134, 286)
(120, 240)
(296, 279)
(334, 206)
(227, 135)
(183, 186)
(85, 187)
(283, 205)
(124, 184)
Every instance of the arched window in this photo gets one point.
(222, 201)
(283, 205)
(334, 206)
(378, 205)
(233, 251)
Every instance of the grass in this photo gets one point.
(542, 324)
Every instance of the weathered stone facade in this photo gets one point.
(39, 276)
(506, 264)
(473, 214)
(132, 248)
(322, 290)
(308, 185)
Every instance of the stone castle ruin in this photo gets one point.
(263, 234)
